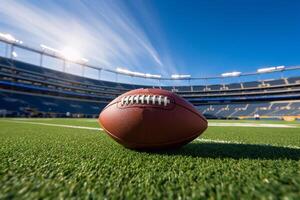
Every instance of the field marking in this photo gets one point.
(210, 124)
(251, 125)
(237, 142)
(197, 139)
(56, 125)
(28, 119)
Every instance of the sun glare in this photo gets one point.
(71, 54)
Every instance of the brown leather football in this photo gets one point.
(152, 119)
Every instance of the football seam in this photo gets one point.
(165, 109)
(196, 113)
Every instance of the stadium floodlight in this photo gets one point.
(139, 74)
(70, 54)
(45, 47)
(123, 71)
(66, 53)
(180, 76)
(265, 70)
(271, 69)
(127, 72)
(152, 76)
(10, 38)
(280, 68)
(231, 74)
(84, 60)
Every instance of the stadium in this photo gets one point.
(51, 145)
(30, 90)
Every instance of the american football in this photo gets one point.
(150, 99)
(152, 119)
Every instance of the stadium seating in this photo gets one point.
(268, 109)
(183, 88)
(198, 87)
(214, 87)
(251, 84)
(169, 88)
(234, 86)
(32, 90)
(293, 80)
(275, 82)
(26, 105)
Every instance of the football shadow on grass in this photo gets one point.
(235, 151)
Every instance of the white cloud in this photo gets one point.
(105, 31)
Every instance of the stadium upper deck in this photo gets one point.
(31, 90)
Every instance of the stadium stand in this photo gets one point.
(198, 87)
(249, 109)
(294, 80)
(234, 86)
(275, 82)
(214, 87)
(25, 105)
(183, 88)
(252, 84)
(34, 91)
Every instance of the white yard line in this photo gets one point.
(89, 120)
(198, 139)
(28, 119)
(237, 142)
(56, 125)
(251, 125)
(210, 124)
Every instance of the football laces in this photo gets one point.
(145, 99)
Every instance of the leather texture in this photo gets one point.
(152, 126)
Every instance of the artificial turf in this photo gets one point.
(43, 162)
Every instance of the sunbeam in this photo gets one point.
(105, 32)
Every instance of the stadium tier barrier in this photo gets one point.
(29, 90)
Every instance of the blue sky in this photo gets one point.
(214, 36)
(197, 37)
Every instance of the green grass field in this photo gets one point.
(39, 161)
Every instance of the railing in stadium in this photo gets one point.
(51, 58)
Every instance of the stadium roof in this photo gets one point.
(74, 58)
